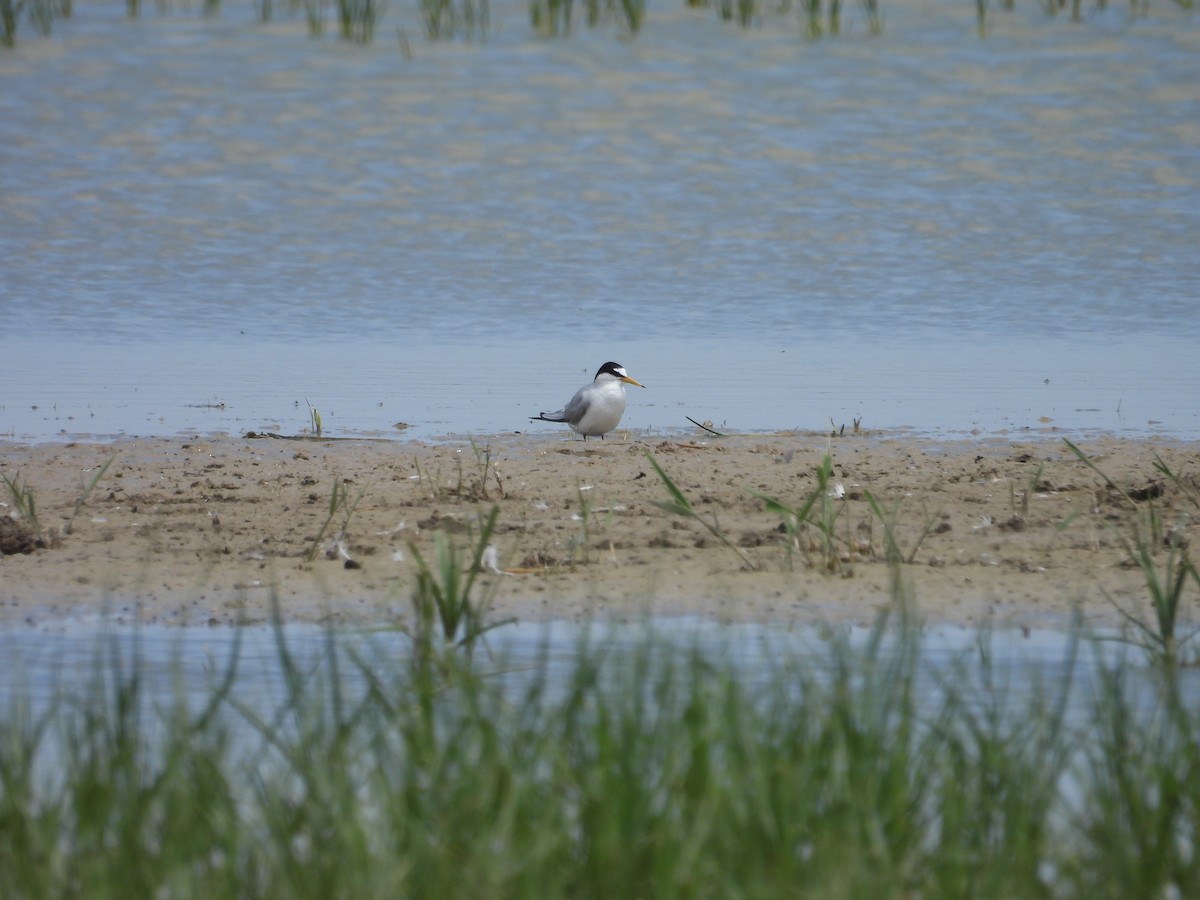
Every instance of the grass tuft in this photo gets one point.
(648, 767)
(446, 613)
(23, 502)
(819, 512)
(339, 502)
(85, 491)
(1167, 586)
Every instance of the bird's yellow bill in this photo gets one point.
(629, 380)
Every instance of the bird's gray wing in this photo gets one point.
(574, 411)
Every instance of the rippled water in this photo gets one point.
(208, 223)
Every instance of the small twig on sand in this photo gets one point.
(705, 427)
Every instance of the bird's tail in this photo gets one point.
(549, 417)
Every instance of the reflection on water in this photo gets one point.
(923, 229)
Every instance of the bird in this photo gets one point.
(596, 408)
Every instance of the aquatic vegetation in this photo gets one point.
(314, 16)
(552, 18)
(448, 19)
(647, 766)
(633, 13)
(40, 14)
(471, 20)
(357, 19)
(1138, 810)
(744, 12)
(874, 17)
(817, 19)
(314, 419)
(810, 11)
(10, 13)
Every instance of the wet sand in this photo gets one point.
(212, 530)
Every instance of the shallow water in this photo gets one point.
(1005, 671)
(65, 658)
(209, 224)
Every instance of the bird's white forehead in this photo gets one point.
(620, 370)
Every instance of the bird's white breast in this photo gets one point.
(605, 405)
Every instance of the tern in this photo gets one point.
(596, 408)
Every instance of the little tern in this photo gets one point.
(596, 408)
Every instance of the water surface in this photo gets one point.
(208, 224)
(66, 657)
